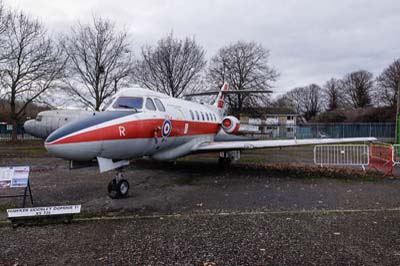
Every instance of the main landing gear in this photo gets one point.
(118, 187)
(226, 158)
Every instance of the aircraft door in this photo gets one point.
(163, 129)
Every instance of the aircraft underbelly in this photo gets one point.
(126, 148)
(131, 148)
(183, 148)
(83, 151)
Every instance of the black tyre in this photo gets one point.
(112, 189)
(117, 190)
(111, 186)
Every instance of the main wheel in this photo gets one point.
(118, 189)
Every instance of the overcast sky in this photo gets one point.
(310, 40)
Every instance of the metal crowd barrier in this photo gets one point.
(378, 156)
(396, 154)
(342, 155)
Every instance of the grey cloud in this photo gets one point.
(310, 41)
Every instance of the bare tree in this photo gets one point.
(100, 60)
(173, 66)
(5, 17)
(306, 100)
(388, 83)
(283, 102)
(358, 87)
(244, 66)
(31, 64)
(333, 94)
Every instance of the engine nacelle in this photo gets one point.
(230, 124)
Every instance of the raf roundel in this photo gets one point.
(166, 128)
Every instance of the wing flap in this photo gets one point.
(259, 144)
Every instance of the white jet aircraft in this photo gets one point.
(140, 122)
(46, 122)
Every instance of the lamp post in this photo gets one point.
(397, 140)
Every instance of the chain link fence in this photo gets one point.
(382, 131)
(6, 133)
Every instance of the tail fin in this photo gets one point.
(219, 102)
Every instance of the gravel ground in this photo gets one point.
(370, 238)
(192, 213)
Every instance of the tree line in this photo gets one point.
(358, 89)
(91, 61)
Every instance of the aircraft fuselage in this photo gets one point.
(160, 128)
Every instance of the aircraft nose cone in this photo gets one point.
(75, 151)
(62, 144)
(80, 140)
(28, 126)
(31, 127)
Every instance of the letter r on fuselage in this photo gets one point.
(121, 131)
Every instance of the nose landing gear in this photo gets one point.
(118, 187)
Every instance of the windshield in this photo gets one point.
(128, 103)
(108, 103)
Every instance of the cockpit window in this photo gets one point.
(108, 103)
(150, 105)
(39, 118)
(159, 104)
(129, 103)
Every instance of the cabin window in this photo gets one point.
(208, 118)
(191, 114)
(197, 115)
(150, 105)
(128, 103)
(202, 116)
(160, 105)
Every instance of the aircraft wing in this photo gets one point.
(260, 144)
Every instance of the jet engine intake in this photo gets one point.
(230, 124)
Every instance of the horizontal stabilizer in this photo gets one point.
(227, 92)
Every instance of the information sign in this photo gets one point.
(43, 211)
(14, 177)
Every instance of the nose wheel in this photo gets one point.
(118, 187)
